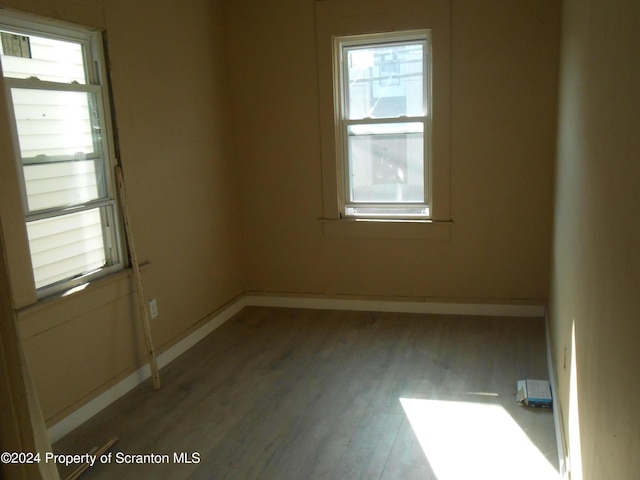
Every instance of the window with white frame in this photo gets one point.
(383, 127)
(55, 84)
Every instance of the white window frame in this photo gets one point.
(97, 84)
(380, 210)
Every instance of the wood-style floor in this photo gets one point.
(309, 394)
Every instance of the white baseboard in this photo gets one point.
(84, 413)
(557, 408)
(415, 306)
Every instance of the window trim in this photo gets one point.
(341, 43)
(355, 17)
(91, 42)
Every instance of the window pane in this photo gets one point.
(43, 58)
(386, 163)
(56, 124)
(385, 81)
(66, 246)
(59, 184)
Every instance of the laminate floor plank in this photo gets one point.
(406, 459)
(313, 394)
(368, 451)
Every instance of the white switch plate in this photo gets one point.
(153, 308)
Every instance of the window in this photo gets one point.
(398, 202)
(383, 128)
(55, 85)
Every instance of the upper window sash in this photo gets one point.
(50, 51)
(387, 69)
(42, 147)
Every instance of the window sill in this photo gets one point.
(112, 280)
(57, 310)
(387, 229)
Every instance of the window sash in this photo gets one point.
(99, 157)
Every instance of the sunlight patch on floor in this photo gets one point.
(466, 440)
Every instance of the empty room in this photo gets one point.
(319, 239)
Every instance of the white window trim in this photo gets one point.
(355, 17)
(97, 83)
(340, 78)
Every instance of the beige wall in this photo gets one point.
(503, 101)
(169, 92)
(596, 258)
